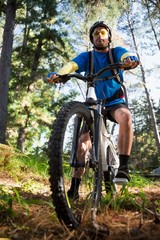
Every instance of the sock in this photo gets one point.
(123, 167)
(75, 182)
(123, 160)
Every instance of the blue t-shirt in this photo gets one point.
(106, 88)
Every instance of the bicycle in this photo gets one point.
(101, 161)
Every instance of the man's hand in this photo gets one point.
(131, 61)
(53, 78)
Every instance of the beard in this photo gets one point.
(101, 48)
(101, 45)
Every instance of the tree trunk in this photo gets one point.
(5, 65)
(21, 139)
(153, 117)
(152, 26)
(22, 129)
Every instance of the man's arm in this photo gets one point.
(131, 60)
(68, 68)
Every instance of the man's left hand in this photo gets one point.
(131, 61)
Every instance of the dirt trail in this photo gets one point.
(41, 223)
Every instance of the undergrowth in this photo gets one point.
(30, 170)
(124, 199)
(7, 198)
(17, 163)
(128, 200)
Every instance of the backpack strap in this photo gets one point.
(91, 62)
(112, 61)
(119, 93)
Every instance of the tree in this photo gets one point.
(5, 65)
(150, 14)
(42, 41)
(144, 153)
(39, 48)
(132, 25)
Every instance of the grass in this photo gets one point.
(30, 172)
(17, 163)
(128, 200)
(139, 181)
(6, 202)
(38, 164)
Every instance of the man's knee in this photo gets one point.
(123, 117)
(127, 117)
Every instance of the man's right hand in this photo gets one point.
(53, 78)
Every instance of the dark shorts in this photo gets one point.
(107, 111)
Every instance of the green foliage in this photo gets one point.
(38, 164)
(11, 197)
(127, 199)
(139, 181)
(144, 151)
(24, 170)
(38, 49)
(157, 203)
(47, 35)
(15, 166)
(11, 159)
(18, 164)
(85, 13)
(6, 202)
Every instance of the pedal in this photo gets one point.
(120, 181)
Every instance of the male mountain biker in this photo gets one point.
(108, 90)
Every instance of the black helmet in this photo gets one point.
(99, 24)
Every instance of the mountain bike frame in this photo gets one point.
(103, 137)
(95, 105)
(101, 159)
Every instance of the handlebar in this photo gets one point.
(119, 65)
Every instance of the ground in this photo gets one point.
(32, 216)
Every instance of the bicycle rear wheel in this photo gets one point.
(62, 152)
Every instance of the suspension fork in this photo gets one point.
(97, 127)
(99, 106)
(77, 123)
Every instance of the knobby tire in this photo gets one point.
(63, 206)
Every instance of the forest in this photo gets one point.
(40, 36)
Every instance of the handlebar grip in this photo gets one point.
(120, 65)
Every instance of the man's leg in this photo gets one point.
(125, 139)
(83, 146)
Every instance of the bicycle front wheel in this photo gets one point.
(63, 145)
